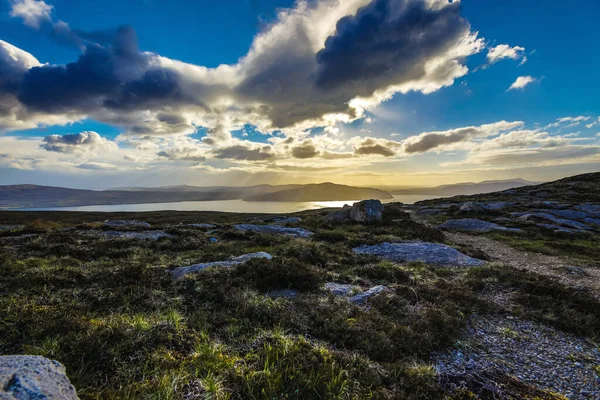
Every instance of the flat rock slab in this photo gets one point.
(200, 226)
(126, 224)
(35, 378)
(342, 289)
(559, 229)
(363, 297)
(146, 235)
(178, 273)
(283, 294)
(275, 230)
(560, 221)
(11, 227)
(475, 225)
(429, 253)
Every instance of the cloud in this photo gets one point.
(33, 12)
(521, 82)
(319, 63)
(305, 150)
(77, 142)
(593, 123)
(431, 140)
(372, 146)
(567, 122)
(550, 156)
(240, 152)
(183, 154)
(503, 51)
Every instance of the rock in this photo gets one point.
(429, 253)
(367, 211)
(213, 240)
(575, 270)
(146, 235)
(341, 289)
(289, 220)
(126, 224)
(429, 211)
(592, 221)
(568, 214)
(200, 226)
(589, 208)
(559, 229)
(472, 206)
(275, 230)
(498, 205)
(34, 378)
(283, 293)
(178, 273)
(339, 216)
(11, 227)
(362, 298)
(556, 220)
(474, 225)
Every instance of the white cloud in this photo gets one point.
(503, 51)
(33, 12)
(592, 124)
(567, 122)
(521, 82)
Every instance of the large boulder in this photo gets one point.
(363, 297)
(180, 272)
(474, 225)
(362, 211)
(34, 378)
(275, 230)
(429, 253)
(472, 206)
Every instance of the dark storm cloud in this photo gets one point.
(240, 152)
(386, 42)
(305, 150)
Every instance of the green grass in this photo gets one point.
(108, 310)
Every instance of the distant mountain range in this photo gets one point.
(467, 188)
(34, 196)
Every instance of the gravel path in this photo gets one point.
(534, 354)
(558, 268)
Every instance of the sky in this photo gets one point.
(241, 92)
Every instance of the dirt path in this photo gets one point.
(558, 268)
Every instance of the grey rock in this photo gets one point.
(559, 229)
(341, 289)
(11, 227)
(339, 216)
(146, 235)
(472, 206)
(362, 298)
(556, 220)
(367, 211)
(34, 378)
(474, 225)
(429, 211)
(126, 224)
(275, 230)
(283, 293)
(179, 272)
(200, 226)
(592, 221)
(429, 253)
(589, 208)
(289, 220)
(575, 270)
(568, 214)
(498, 205)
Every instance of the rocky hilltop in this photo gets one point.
(487, 296)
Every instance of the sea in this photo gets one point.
(239, 206)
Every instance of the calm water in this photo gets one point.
(240, 206)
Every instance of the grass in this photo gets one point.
(124, 329)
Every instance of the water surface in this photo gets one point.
(240, 206)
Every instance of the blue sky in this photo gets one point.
(261, 91)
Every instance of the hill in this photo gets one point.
(322, 192)
(467, 188)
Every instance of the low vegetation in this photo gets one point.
(107, 309)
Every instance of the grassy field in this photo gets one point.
(108, 310)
